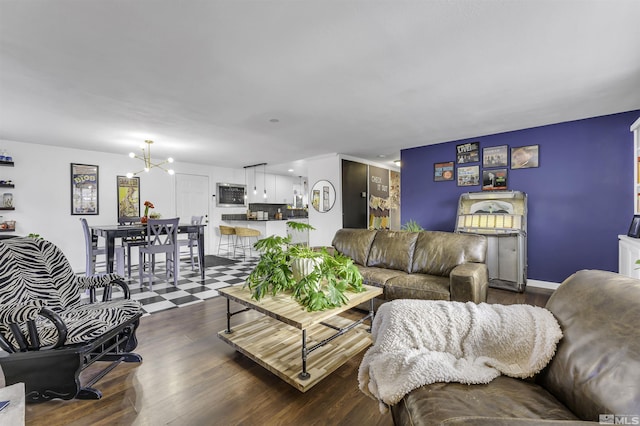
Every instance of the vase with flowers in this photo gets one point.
(147, 205)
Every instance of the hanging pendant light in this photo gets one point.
(264, 179)
(255, 190)
(245, 184)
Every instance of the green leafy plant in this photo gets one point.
(321, 285)
(36, 236)
(412, 226)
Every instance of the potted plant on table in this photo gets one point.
(316, 278)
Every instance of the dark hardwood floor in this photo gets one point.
(190, 377)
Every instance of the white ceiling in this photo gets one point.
(366, 78)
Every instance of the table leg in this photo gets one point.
(110, 249)
(228, 330)
(201, 251)
(371, 314)
(304, 375)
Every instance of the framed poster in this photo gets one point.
(128, 196)
(468, 152)
(495, 156)
(84, 189)
(443, 171)
(469, 176)
(524, 157)
(493, 180)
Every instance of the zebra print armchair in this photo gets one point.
(49, 332)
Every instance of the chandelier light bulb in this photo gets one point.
(146, 169)
(171, 172)
(265, 194)
(132, 155)
(170, 160)
(129, 175)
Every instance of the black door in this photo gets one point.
(354, 194)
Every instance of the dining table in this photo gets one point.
(111, 232)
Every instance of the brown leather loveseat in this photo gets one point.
(594, 375)
(428, 265)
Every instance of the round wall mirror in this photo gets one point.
(323, 196)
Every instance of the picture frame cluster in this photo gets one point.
(495, 162)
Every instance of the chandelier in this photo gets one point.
(146, 158)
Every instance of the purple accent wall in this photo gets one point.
(579, 199)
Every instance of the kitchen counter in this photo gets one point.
(271, 227)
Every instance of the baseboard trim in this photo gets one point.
(543, 284)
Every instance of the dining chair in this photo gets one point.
(229, 233)
(92, 251)
(192, 242)
(129, 242)
(161, 237)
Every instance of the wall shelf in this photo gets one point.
(7, 185)
(6, 163)
(7, 230)
(7, 208)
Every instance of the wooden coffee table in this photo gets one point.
(282, 340)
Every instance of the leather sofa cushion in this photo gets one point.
(417, 286)
(393, 250)
(354, 243)
(504, 397)
(596, 368)
(437, 253)
(378, 276)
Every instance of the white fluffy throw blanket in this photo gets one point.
(418, 342)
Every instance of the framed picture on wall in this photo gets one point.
(468, 152)
(84, 189)
(443, 171)
(494, 179)
(524, 157)
(128, 191)
(495, 156)
(469, 176)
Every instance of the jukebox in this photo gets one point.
(502, 218)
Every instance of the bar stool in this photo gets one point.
(245, 238)
(229, 233)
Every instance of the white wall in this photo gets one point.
(42, 193)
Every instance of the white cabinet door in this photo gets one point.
(284, 190)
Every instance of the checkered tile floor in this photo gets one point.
(191, 288)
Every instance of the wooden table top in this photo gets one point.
(284, 308)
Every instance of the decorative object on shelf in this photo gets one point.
(146, 158)
(316, 279)
(84, 189)
(147, 205)
(8, 225)
(7, 199)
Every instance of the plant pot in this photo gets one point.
(143, 219)
(301, 267)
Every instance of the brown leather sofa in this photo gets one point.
(594, 372)
(427, 265)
